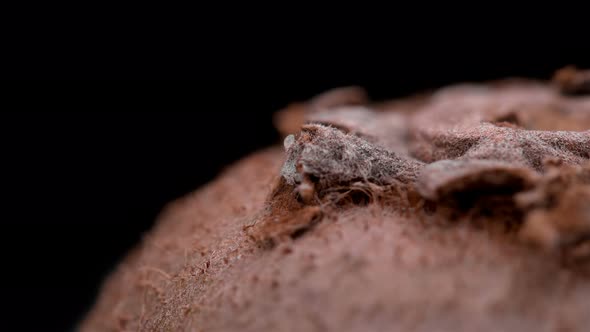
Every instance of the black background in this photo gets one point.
(87, 166)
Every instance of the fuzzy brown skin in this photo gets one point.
(361, 225)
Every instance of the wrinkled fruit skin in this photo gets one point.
(463, 210)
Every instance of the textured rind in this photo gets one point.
(336, 157)
(270, 245)
(464, 141)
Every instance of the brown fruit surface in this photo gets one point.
(464, 210)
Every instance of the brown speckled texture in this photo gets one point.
(415, 215)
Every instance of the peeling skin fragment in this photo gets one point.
(444, 178)
(323, 157)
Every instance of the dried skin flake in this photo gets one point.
(468, 139)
